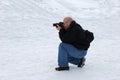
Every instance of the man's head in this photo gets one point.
(67, 21)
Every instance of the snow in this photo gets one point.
(29, 43)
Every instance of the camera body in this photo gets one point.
(61, 24)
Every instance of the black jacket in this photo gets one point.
(74, 35)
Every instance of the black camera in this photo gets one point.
(61, 24)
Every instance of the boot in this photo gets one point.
(82, 62)
(62, 68)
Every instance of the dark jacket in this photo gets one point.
(74, 35)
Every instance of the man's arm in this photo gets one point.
(67, 36)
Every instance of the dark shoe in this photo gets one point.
(62, 68)
(82, 62)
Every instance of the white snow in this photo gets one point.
(29, 43)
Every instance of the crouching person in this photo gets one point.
(73, 47)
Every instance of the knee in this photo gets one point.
(62, 44)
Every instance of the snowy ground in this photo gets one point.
(28, 42)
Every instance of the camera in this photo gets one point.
(61, 24)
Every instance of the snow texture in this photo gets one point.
(29, 43)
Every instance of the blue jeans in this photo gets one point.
(68, 53)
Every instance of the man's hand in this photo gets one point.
(58, 27)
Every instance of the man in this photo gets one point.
(73, 49)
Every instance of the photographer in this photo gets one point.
(73, 49)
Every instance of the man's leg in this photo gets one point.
(73, 60)
(62, 59)
(62, 56)
(68, 53)
(73, 54)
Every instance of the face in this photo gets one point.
(66, 23)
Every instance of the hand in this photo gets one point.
(58, 27)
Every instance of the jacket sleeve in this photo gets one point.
(67, 36)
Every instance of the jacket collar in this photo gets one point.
(73, 23)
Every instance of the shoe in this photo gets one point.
(62, 68)
(82, 62)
